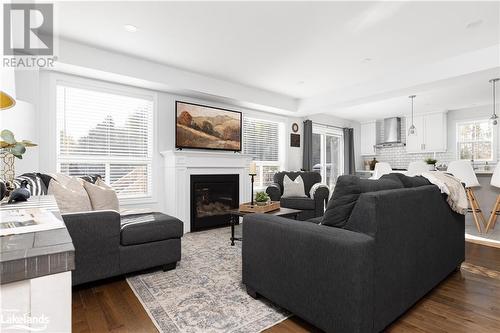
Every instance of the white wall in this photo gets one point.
(22, 118)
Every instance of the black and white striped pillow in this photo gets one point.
(36, 186)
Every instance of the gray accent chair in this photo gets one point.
(396, 246)
(317, 194)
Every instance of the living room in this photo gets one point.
(250, 166)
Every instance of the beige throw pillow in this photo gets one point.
(70, 197)
(102, 196)
(293, 188)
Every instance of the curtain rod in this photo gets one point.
(333, 126)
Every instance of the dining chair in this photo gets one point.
(416, 168)
(463, 170)
(495, 181)
(381, 168)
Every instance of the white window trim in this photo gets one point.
(282, 148)
(85, 83)
(494, 139)
(329, 130)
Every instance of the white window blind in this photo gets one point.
(261, 140)
(106, 133)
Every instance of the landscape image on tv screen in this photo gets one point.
(205, 127)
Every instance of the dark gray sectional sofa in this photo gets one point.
(396, 245)
(108, 244)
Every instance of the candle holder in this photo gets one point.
(252, 175)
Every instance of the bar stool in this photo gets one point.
(416, 168)
(463, 170)
(495, 181)
(381, 168)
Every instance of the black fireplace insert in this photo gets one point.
(211, 197)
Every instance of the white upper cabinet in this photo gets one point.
(431, 133)
(368, 138)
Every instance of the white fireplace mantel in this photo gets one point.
(179, 165)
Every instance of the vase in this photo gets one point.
(7, 167)
(432, 167)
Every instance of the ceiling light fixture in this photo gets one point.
(494, 117)
(412, 130)
(130, 28)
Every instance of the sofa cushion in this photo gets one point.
(70, 195)
(297, 203)
(151, 227)
(406, 181)
(293, 188)
(346, 194)
(36, 183)
(102, 196)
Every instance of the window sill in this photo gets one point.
(137, 201)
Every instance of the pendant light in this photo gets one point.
(494, 117)
(412, 130)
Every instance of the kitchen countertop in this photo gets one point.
(33, 254)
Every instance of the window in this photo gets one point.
(328, 157)
(261, 140)
(106, 133)
(475, 140)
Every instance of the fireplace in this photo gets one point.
(211, 197)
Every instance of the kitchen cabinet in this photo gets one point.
(368, 138)
(431, 133)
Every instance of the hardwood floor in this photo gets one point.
(468, 301)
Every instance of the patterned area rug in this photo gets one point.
(204, 293)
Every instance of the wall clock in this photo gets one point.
(295, 127)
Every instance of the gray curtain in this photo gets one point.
(349, 163)
(308, 149)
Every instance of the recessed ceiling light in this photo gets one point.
(365, 60)
(300, 83)
(130, 28)
(474, 24)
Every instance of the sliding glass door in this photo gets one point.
(328, 153)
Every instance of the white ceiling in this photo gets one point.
(299, 49)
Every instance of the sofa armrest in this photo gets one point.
(274, 192)
(320, 193)
(96, 238)
(93, 225)
(320, 273)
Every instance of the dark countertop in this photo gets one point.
(33, 254)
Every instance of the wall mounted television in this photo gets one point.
(205, 127)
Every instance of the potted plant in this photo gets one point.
(431, 163)
(10, 148)
(261, 198)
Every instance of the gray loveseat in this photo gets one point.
(396, 246)
(317, 194)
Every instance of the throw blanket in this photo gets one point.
(451, 186)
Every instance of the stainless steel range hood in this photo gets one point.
(392, 133)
